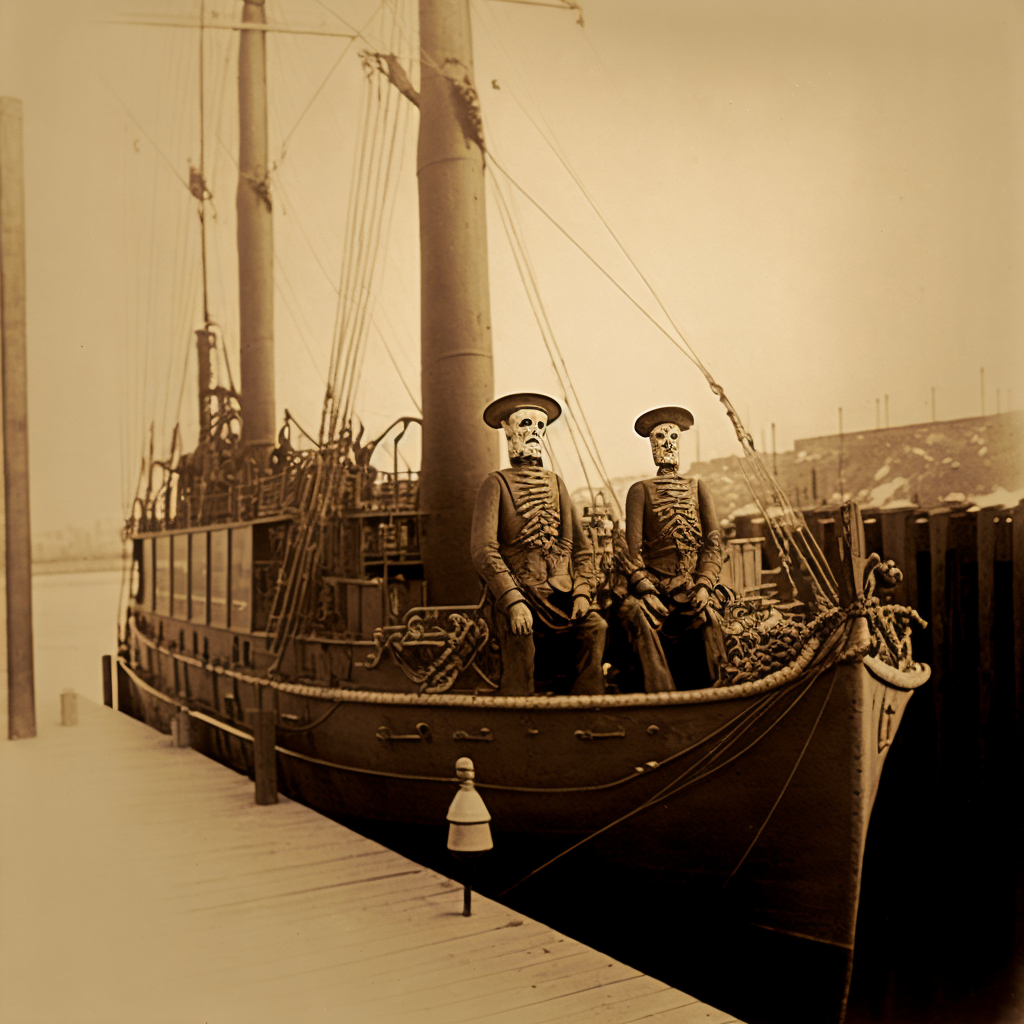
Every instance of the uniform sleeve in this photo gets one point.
(709, 559)
(640, 580)
(584, 564)
(483, 546)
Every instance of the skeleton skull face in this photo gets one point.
(524, 431)
(665, 444)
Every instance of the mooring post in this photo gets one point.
(264, 754)
(469, 830)
(69, 708)
(108, 681)
(14, 504)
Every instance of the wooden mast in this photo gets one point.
(457, 372)
(255, 241)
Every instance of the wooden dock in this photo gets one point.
(140, 883)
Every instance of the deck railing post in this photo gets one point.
(181, 729)
(264, 735)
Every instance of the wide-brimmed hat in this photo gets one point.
(676, 414)
(501, 408)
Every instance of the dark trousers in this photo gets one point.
(584, 638)
(693, 663)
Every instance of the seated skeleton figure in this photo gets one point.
(674, 557)
(532, 553)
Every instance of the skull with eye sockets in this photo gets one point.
(665, 444)
(664, 426)
(524, 432)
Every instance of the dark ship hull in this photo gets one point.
(761, 791)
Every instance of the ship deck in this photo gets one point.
(140, 883)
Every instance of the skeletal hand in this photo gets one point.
(580, 607)
(654, 608)
(521, 619)
(699, 597)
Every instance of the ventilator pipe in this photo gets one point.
(469, 831)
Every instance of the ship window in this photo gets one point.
(246, 658)
(241, 578)
(179, 576)
(162, 575)
(218, 573)
(198, 559)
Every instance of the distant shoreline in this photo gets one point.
(64, 565)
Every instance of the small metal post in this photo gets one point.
(108, 682)
(467, 899)
(69, 708)
(264, 735)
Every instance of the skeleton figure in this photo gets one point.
(675, 556)
(531, 551)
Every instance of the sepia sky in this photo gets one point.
(827, 197)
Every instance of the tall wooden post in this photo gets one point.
(14, 506)
(457, 371)
(255, 240)
(264, 754)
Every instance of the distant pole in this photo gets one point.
(933, 403)
(21, 698)
(878, 414)
(775, 462)
(983, 391)
(886, 412)
(842, 486)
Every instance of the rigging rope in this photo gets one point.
(547, 333)
(828, 656)
(788, 523)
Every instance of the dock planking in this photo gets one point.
(140, 883)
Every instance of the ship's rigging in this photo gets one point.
(378, 157)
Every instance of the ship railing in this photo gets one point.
(398, 491)
(358, 489)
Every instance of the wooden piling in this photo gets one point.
(21, 701)
(1018, 613)
(264, 735)
(108, 681)
(986, 546)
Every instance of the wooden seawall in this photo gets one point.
(140, 883)
(947, 941)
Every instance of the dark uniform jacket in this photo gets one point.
(528, 543)
(672, 533)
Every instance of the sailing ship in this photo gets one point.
(306, 581)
